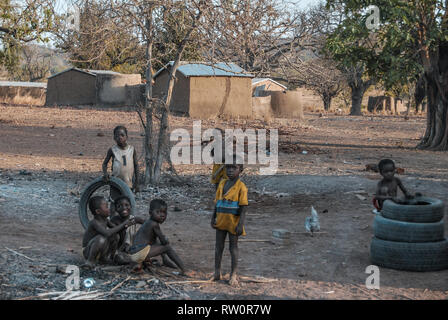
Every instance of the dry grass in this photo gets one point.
(24, 100)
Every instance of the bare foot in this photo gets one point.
(188, 274)
(88, 265)
(138, 268)
(168, 263)
(216, 276)
(233, 281)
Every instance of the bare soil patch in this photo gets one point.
(47, 155)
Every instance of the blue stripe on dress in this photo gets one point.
(227, 210)
(227, 204)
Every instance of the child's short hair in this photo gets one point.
(120, 198)
(385, 162)
(95, 203)
(235, 161)
(120, 128)
(157, 204)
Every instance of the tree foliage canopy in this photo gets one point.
(22, 22)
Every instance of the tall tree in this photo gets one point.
(146, 18)
(103, 40)
(254, 33)
(412, 37)
(346, 48)
(22, 22)
(320, 75)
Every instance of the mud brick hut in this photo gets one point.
(202, 90)
(272, 99)
(262, 86)
(22, 92)
(93, 87)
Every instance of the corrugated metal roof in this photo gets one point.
(22, 84)
(198, 69)
(258, 80)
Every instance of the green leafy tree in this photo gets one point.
(22, 22)
(411, 39)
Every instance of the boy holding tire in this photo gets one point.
(101, 237)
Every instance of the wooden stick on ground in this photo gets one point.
(120, 284)
(19, 254)
(320, 232)
(188, 281)
(260, 280)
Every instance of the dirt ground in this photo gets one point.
(48, 155)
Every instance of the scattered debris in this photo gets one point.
(281, 233)
(120, 284)
(312, 222)
(19, 254)
(372, 167)
(88, 283)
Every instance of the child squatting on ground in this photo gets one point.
(229, 217)
(101, 238)
(124, 162)
(387, 188)
(146, 246)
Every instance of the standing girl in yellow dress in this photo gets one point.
(229, 217)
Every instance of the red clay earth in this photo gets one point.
(47, 155)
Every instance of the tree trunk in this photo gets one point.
(163, 142)
(357, 94)
(436, 134)
(149, 148)
(327, 101)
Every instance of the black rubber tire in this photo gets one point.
(425, 256)
(96, 184)
(433, 212)
(393, 230)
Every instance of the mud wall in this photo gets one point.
(181, 91)
(261, 108)
(229, 96)
(111, 89)
(287, 104)
(22, 95)
(71, 88)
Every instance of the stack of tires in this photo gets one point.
(410, 237)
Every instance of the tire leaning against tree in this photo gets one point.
(393, 230)
(94, 185)
(431, 212)
(424, 256)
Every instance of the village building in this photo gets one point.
(204, 90)
(76, 86)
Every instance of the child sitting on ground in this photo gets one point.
(146, 246)
(388, 186)
(99, 241)
(126, 236)
(229, 217)
(124, 162)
